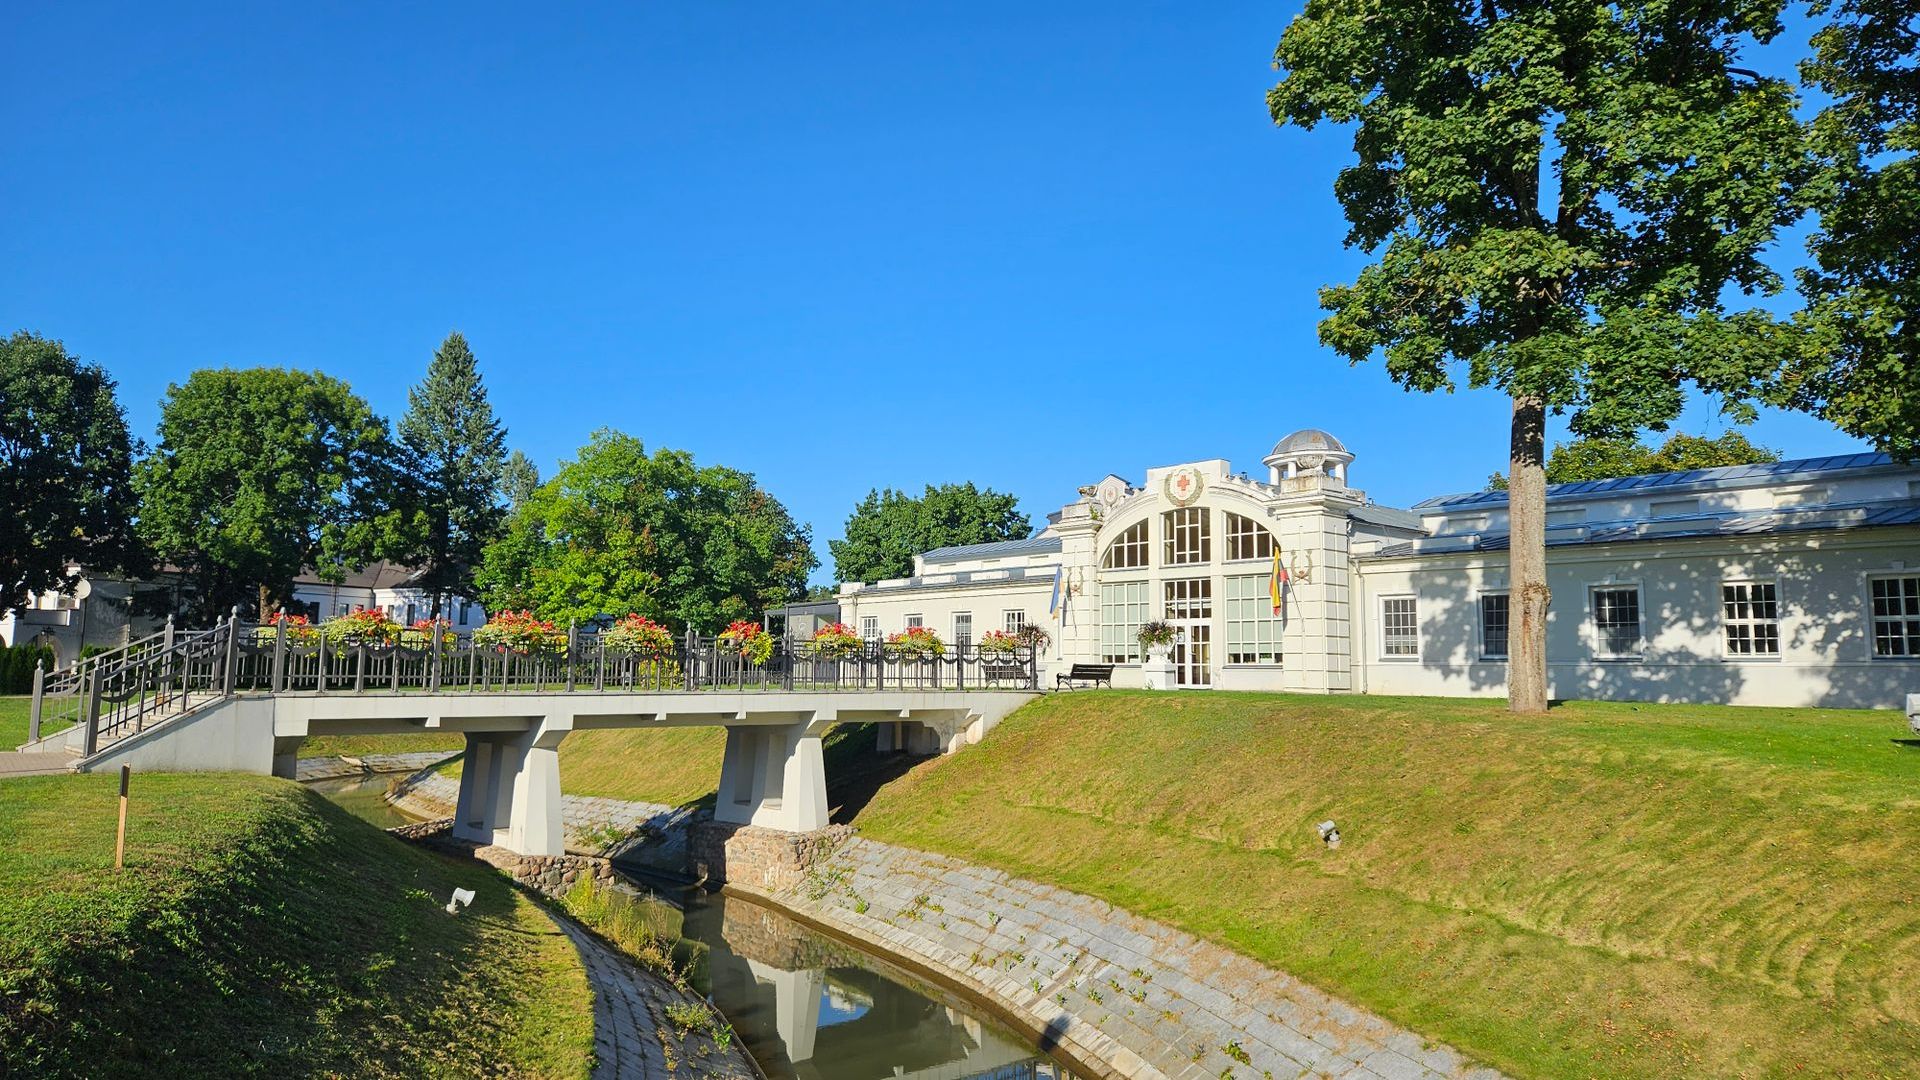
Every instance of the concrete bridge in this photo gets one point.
(244, 698)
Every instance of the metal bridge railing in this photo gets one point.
(123, 691)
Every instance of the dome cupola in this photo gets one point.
(1308, 452)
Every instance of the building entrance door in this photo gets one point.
(1190, 609)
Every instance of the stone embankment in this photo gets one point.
(337, 768)
(1118, 995)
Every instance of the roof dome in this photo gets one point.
(1308, 440)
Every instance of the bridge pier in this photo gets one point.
(773, 777)
(510, 790)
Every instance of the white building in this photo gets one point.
(100, 612)
(383, 585)
(1796, 583)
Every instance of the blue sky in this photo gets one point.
(840, 246)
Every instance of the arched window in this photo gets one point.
(1128, 551)
(1247, 539)
(1189, 533)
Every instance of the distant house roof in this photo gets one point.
(1042, 544)
(379, 575)
(1739, 523)
(1778, 472)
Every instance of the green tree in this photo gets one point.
(888, 528)
(1669, 170)
(519, 479)
(620, 530)
(1861, 368)
(1609, 458)
(455, 454)
(65, 471)
(260, 473)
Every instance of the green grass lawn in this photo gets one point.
(14, 716)
(361, 745)
(259, 930)
(1611, 890)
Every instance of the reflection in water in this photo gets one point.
(807, 1006)
(812, 1008)
(365, 797)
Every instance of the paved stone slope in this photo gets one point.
(334, 768)
(1143, 998)
(632, 1037)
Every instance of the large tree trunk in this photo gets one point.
(1527, 557)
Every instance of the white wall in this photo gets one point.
(1826, 655)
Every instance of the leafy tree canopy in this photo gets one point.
(1861, 366)
(1600, 292)
(260, 473)
(888, 528)
(1608, 459)
(65, 471)
(620, 530)
(455, 454)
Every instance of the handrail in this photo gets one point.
(118, 692)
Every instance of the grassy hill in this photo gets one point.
(1610, 890)
(259, 930)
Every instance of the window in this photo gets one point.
(870, 628)
(1616, 622)
(1253, 630)
(1011, 621)
(1399, 627)
(341, 609)
(1896, 616)
(1123, 607)
(915, 622)
(1128, 551)
(963, 628)
(1189, 536)
(1493, 626)
(412, 614)
(464, 607)
(1246, 539)
(1750, 611)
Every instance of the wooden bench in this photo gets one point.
(1093, 674)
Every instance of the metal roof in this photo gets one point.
(1773, 471)
(1748, 523)
(1388, 516)
(1042, 544)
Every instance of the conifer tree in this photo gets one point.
(455, 455)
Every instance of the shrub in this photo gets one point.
(420, 634)
(519, 632)
(1156, 634)
(637, 635)
(16, 666)
(300, 629)
(917, 642)
(1034, 637)
(361, 626)
(833, 641)
(747, 639)
(999, 643)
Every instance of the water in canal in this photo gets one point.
(808, 1007)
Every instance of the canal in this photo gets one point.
(807, 1006)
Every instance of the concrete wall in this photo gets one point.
(1826, 651)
